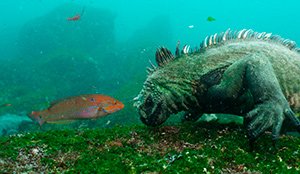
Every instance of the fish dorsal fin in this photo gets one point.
(244, 34)
(53, 103)
(163, 56)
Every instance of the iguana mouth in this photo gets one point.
(151, 108)
(152, 113)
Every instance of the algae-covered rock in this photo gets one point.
(196, 148)
(66, 73)
(10, 124)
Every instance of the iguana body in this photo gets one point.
(246, 73)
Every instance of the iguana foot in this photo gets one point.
(268, 115)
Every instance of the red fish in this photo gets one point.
(77, 16)
(90, 106)
(74, 18)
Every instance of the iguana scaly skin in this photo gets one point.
(251, 74)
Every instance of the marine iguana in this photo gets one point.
(246, 73)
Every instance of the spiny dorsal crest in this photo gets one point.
(244, 34)
(164, 56)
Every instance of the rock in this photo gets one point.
(9, 123)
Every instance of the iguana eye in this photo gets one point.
(92, 100)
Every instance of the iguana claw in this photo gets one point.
(268, 115)
(291, 116)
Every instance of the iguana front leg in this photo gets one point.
(271, 106)
(256, 75)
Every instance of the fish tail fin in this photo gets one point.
(35, 115)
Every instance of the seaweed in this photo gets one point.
(194, 148)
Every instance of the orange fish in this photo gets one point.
(74, 18)
(89, 106)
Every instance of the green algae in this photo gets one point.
(193, 148)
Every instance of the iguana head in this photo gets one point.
(160, 96)
(152, 104)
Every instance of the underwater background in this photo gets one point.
(47, 53)
(45, 57)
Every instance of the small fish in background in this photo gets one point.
(77, 16)
(5, 105)
(74, 18)
(210, 19)
(89, 106)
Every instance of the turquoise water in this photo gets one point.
(45, 57)
(280, 17)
